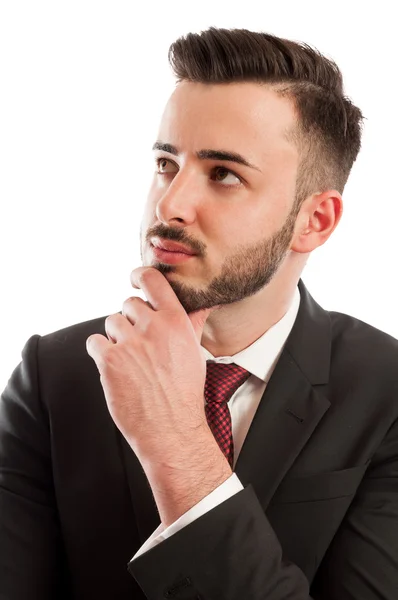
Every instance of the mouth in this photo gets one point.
(171, 246)
(167, 256)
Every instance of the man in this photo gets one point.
(228, 438)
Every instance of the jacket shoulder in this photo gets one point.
(350, 330)
(364, 353)
(62, 355)
(73, 334)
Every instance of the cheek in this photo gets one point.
(146, 220)
(269, 213)
(247, 225)
(225, 235)
(153, 192)
(149, 210)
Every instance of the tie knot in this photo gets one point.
(222, 380)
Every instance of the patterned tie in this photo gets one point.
(222, 380)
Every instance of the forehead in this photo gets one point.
(247, 117)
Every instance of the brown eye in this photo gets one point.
(161, 163)
(227, 172)
(223, 171)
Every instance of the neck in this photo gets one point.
(232, 328)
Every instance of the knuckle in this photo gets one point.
(147, 275)
(112, 317)
(126, 303)
(109, 320)
(108, 358)
(129, 302)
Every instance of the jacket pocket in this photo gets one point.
(323, 486)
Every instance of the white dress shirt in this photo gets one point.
(259, 359)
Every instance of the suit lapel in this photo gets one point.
(292, 405)
(289, 411)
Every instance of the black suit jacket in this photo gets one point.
(317, 518)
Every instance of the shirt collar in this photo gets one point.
(262, 355)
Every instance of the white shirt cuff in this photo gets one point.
(228, 488)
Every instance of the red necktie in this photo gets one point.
(222, 380)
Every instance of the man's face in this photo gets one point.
(235, 217)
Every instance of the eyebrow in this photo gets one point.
(208, 154)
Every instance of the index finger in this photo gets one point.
(157, 289)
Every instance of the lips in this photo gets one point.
(171, 246)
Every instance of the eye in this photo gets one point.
(222, 170)
(161, 163)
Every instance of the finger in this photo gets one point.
(117, 328)
(157, 289)
(96, 344)
(135, 308)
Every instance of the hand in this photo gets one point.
(152, 369)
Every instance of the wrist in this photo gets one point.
(199, 466)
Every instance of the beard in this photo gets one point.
(248, 270)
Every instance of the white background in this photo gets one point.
(82, 88)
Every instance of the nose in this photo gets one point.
(179, 199)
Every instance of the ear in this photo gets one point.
(318, 218)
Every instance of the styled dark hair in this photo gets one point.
(329, 125)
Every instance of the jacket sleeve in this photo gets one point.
(230, 486)
(30, 541)
(232, 552)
